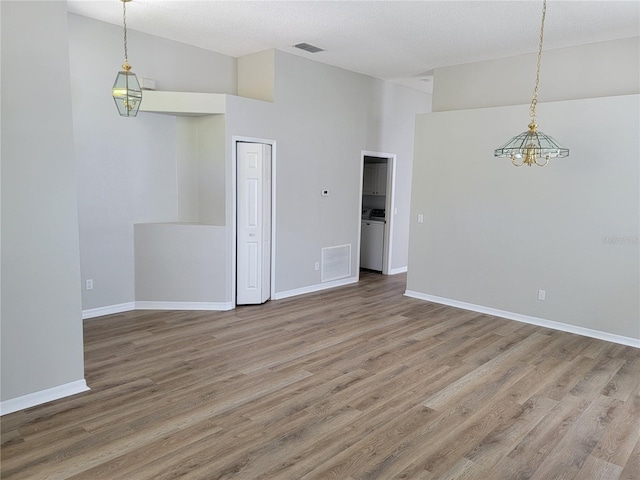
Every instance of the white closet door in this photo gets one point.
(253, 278)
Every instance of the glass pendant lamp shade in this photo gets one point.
(531, 148)
(126, 92)
(126, 89)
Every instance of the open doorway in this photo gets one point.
(377, 207)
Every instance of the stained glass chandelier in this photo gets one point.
(533, 147)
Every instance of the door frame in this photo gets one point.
(389, 206)
(235, 139)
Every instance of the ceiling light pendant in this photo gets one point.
(533, 147)
(126, 89)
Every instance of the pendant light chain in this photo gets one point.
(534, 100)
(126, 89)
(533, 147)
(124, 23)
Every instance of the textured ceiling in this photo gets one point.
(401, 41)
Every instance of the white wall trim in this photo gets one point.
(213, 306)
(108, 310)
(541, 322)
(395, 271)
(43, 396)
(146, 305)
(315, 288)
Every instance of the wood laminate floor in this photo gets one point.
(357, 382)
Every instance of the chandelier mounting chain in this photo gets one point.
(124, 27)
(534, 100)
(533, 147)
(126, 90)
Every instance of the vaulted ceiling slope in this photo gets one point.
(401, 41)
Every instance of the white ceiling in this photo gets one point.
(401, 41)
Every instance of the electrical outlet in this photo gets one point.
(88, 284)
(317, 266)
(542, 294)
(420, 218)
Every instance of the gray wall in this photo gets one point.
(586, 71)
(127, 169)
(41, 309)
(180, 263)
(494, 234)
(330, 116)
(322, 118)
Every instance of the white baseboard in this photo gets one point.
(108, 310)
(43, 396)
(215, 306)
(128, 307)
(395, 271)
(315, 288)
(541, 322)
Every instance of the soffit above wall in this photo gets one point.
(183, 103)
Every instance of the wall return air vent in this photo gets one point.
(336, 262)
(309, 48)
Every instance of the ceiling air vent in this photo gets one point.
(309, 48)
